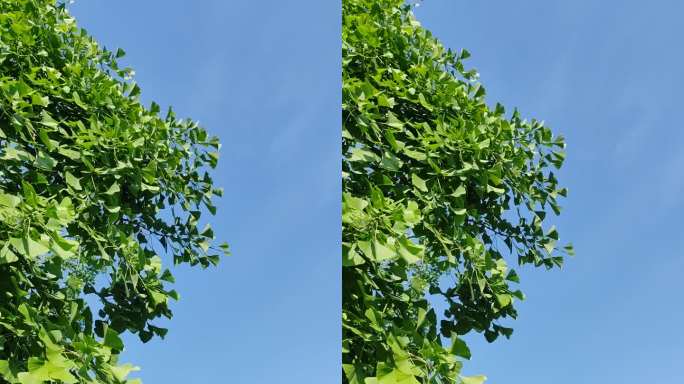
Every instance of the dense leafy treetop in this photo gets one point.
(439, 190)
(97, 194)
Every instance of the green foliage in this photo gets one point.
(439, 190)
(97, 193)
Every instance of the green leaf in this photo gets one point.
(420, 156)
(460, 191)
(112, 340)
(503, 300)
(391, 162)
(73, 155)
(498, 191)
(350, 257)
(396, 376)
(376, 250)
(113, 189)
(363, 155)
(28, 247)
(381, 252)
(411, 214)
(5, 369)
(72, 181)
(410, 251)
(459, 348)
(45, 139)
(424, 102)
(147, 187)
(112, 209)
(393, 122)
(355, 203)
(45, 162)
(549, 245)
(77, 100)
(569, 249)
(6, 254)
(47, 120)
(460, 212)
(9, 201)
(30, 196)
(157, 297)
(418, 182)
(122, 371)
(11, 153)
(42, 101)
(65, 211)
(385, 101)
(473, 379)
(513, 276)
(353, 373)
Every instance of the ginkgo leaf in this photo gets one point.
(72, 181)
(28, 247)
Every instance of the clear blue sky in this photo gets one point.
(608, 75)
(265, 77)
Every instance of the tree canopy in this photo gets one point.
(98, 195)
(441, 192)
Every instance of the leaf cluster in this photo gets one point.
(97, 193)
(440, 193)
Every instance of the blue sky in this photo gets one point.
(608, 76)
(265, 77)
